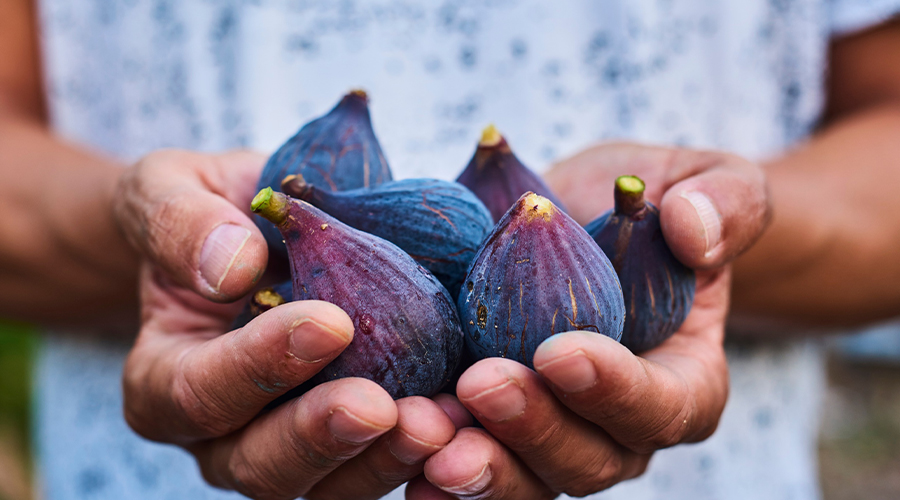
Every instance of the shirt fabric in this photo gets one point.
(131, 76)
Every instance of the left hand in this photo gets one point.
(593, 413)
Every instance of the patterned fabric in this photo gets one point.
(130, 76)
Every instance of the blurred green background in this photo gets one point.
(17, 348)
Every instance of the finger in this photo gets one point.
(285, 452)
(422, 430)
(420, 489)
(675, 395)
(455, 410)
(567, 452)
(475, 465)
(188, 213)
(180, 388)
(716, 207)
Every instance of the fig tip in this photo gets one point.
(261, 199)
(630, 184)
(490, 136)
(359, 93)
(268, 297)
(535, 205)
(270, 205)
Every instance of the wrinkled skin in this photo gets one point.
(192, 381)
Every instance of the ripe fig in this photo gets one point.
(407, 333)
(658, 289)
(440, 224)
(498, 178)
(538, 274)
(337, 151)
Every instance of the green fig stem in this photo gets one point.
(296, 186)
(271, 205)
(629, 196)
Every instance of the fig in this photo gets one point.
(538, 274)
(658, 289)
(337, 151)
(498, 178)
(407, 332)
(440, 224)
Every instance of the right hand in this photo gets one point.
(191, 382)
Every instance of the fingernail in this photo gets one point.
(220, 251)
(474, 485)
(709, 217)
(347, 427)
(312, 342)
(501, 402)
(571, 373)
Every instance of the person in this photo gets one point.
(130, 78)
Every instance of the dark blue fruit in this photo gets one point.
(336, 152)
(440, 224)
(498, 178)
(658, 289)
(407, 334)
(538, 274)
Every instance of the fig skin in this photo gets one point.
(658, 288)
(498, 178)
(440, 224)
(337, 151)
(538, 274)
(407, 333)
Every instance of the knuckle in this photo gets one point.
(205, 418)
(609, 473)
(316, 452)
(250, 480)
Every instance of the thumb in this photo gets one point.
(710, 218)
(188, 214)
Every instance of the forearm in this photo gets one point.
(830, 255)
(61, 255)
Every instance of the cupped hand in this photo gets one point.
(192, 382)
(593, 413)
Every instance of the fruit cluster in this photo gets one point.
(489, 265)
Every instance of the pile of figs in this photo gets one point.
(432, 272)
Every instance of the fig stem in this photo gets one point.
(295, 186)
(490, 136)
(359, 93)
(268, 298)
(629, 195)
(271, 205)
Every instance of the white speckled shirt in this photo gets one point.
(130, 76)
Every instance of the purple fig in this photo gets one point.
(407, 333)
(498, 178)
(440, 224)
(538, 274)
(658, 289)
(337, 151)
